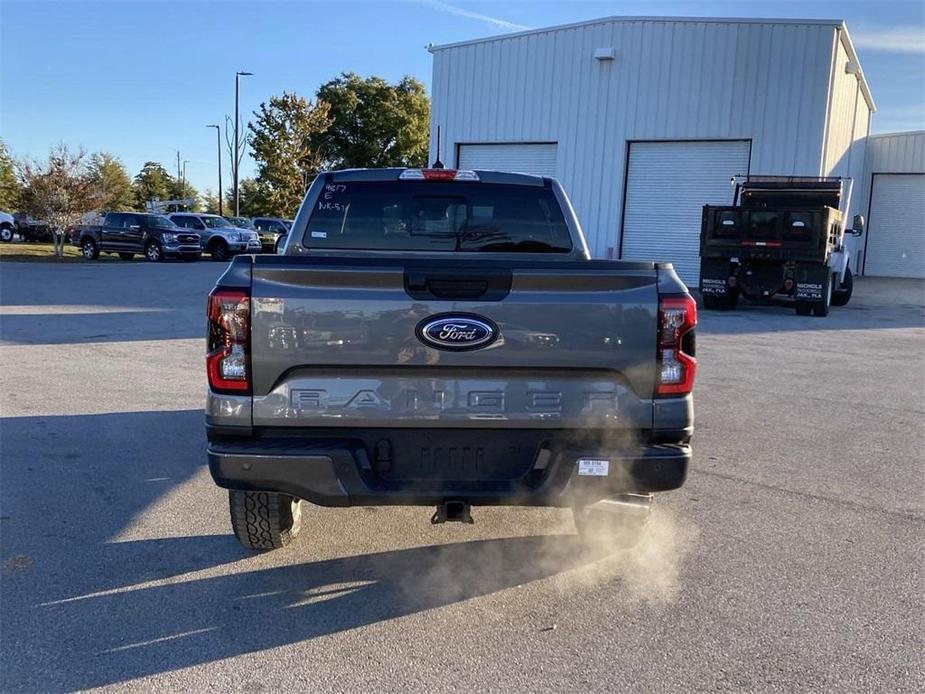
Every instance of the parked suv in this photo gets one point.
(220, 238)
(134, 233)
(271, 230)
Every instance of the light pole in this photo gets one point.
(236, 159)
(218, 138)
(183, 182)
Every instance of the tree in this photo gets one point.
(252, 196)
(113, 184)
(181, 190)
(151, 183)
(236, 156)
(59, 191)
(374, 123)
(287, 154)
(10, 188)
(209, 202)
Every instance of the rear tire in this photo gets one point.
(89, 250)
(842, 295)
(219, 251)
(821, 308)
(6, 233)
(264, 520)
(727, 302)
(126, 256)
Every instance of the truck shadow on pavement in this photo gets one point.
(877, 304)
(118, 636)
(84, 604)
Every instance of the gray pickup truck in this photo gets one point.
(441, 337)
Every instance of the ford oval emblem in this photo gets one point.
(457, 332)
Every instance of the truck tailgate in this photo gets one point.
(336, 342)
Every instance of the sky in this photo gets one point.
(142, 79)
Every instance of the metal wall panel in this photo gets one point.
(667, 185)
(846, 136)
(896, 229)
(522, 157)
(767, 82)
(886, 153)
(896, 153)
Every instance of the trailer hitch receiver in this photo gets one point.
(452, 512)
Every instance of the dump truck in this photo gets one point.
(783, 237)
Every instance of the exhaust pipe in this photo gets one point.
(452, 512)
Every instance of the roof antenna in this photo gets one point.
(437, 163)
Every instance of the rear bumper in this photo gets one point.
(347, 472)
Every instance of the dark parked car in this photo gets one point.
(133, 233)
(30, 230)
(271, 230)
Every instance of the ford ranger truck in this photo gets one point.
(440, 337)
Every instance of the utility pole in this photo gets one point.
(218, 137)
(237, 118)
(179, 180)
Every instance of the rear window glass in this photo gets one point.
(437, 216)
(726, 224)
(762, 224)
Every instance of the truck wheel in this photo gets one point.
(821, 308)
(126, 256)
(712, 303)
(842, 295)
(219, 251)
(608, 529)
(154, 252)
(264, 520)
(6, 233)
(89, 249)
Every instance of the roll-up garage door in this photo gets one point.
(896, 228)
(667, 185)
(531, 158)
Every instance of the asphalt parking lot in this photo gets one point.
(792, 559)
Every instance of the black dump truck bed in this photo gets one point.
(784, 236)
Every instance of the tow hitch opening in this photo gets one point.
(452, 512)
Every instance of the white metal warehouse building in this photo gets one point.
(645, 120)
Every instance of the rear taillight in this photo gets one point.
(677, 318)
(228, 355)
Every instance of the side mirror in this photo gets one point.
(857, 225)
(281, 244)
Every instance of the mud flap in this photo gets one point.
(810, 279)
(713, 277)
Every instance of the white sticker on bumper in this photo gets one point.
(593, 467)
